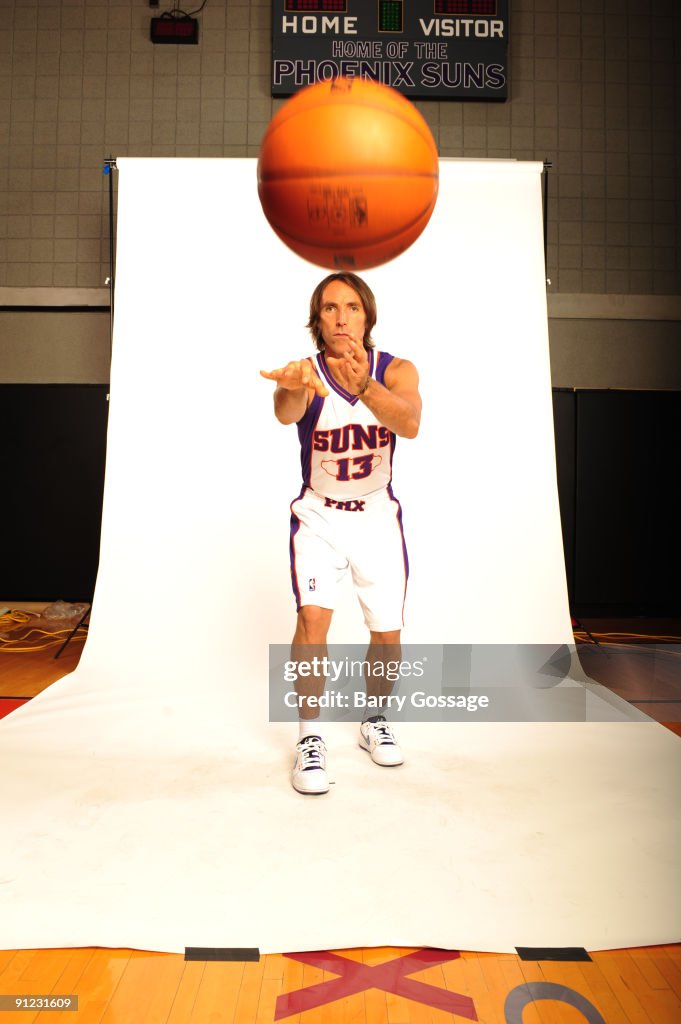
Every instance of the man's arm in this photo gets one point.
(397, 405)
(297, 383)
(290, 406)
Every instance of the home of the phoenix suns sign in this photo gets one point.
(426, 49)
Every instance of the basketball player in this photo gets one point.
(349, 403)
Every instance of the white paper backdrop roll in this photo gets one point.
(146, 799)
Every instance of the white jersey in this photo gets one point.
(345, 452)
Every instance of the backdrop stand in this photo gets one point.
(109, 167)
(545, 211)
(81, 624)
(576, 621)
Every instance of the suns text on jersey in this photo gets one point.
(352, 437)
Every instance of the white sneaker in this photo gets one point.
(377, 738)
(309, 771)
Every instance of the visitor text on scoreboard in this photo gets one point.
(426, 49)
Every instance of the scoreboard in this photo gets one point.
(426, 49)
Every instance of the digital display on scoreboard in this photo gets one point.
(318, 6)
(480, 7)
(427, 49)
(390, 15)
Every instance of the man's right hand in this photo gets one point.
(295, 375)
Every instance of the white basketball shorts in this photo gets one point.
(362, 535)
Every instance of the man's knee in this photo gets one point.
(391, 637)
(313, 624)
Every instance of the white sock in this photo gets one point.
(308, 727)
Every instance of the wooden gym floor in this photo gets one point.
(122, 986)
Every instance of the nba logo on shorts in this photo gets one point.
(312, 583)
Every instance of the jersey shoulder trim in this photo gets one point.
(383, 362)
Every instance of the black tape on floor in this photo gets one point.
(215, 954)
(565, 953)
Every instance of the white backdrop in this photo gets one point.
(202, 305)
(146, 796)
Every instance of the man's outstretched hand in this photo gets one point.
(295, 375)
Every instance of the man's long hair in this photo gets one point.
(368, 301)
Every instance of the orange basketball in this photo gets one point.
(348, 173)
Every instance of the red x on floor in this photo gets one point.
(390, 977)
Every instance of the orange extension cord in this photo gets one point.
(11, 623)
